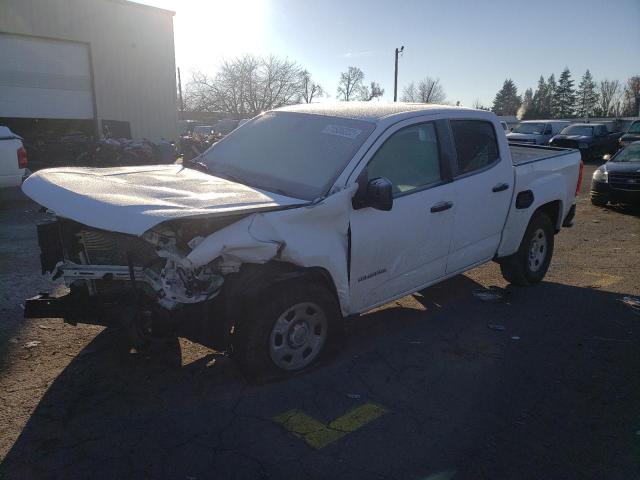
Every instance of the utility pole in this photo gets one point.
(180, 95)
(395, 82)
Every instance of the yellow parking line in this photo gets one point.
(319, 435)
(604, 279)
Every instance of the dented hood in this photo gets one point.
(134, 199)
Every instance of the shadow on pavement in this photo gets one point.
(554, 395)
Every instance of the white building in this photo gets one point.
(70, 65)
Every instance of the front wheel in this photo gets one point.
(530, 263)
(287, 329)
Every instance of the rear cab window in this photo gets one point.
(476, 145)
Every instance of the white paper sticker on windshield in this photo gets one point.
(341, 131)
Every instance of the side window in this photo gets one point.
(476, 144)
(410, 159)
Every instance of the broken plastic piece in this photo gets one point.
(31, 344)
(490, 294)
(633, 303)
(495, 326)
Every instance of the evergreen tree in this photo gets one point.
(507, 100)
(565, 96)
(527, 103)
(551, 109)
(538, 102)
(587, 96)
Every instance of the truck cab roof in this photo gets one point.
(374, 112)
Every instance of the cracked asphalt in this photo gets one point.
(555, 395)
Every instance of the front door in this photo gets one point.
(396, 252)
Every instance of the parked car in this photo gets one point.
(592, 139)
(536, 132)
(13, 159)
(203, 130)
(225, 126)
(618, 180)
(304, 216)
(631, 135)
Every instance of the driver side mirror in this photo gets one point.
(607, 157)
(376, 193)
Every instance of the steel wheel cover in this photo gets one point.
(298, 336)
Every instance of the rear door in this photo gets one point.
(483, 186)
(395, 252)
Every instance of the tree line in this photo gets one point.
(563, 99)
(245, 86)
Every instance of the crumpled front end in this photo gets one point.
(185, 261)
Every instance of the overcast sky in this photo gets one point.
(470, 45)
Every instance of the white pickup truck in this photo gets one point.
(300, 217)
(13, 159)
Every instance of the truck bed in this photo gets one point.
(522, 154)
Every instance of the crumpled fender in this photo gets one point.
(309, 236)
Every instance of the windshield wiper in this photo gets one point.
(201, 167)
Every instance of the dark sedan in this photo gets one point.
(618, 180)
(631, 135)
(592, 139)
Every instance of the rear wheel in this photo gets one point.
(530, 263)
(287, 330)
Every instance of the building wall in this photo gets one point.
(132, 54)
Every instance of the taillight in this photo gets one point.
(579, 178)
(22, 158)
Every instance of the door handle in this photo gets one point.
(501, 187)
(441, 207)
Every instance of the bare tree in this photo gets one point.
(350, 84)
(631, 101)
(609, 91)
(372, 91)
(409, 93)
(246, 86)
(431, 91)
(308, 88)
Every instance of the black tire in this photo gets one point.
(252, 339)
(599, 201)
(519, 269)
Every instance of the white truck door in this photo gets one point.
(395, 252)
(483, 186)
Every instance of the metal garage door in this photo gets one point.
(42, 78)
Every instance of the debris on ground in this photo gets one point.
(32, 344)
(13, 340)
(495, 326)
(490, 294)
(45, 327)
(633, 303)
(354, 396)
(22, 306)
(515, 337)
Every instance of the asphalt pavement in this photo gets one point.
(540, 384)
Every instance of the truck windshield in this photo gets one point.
(629, 154)
(582, 130)
(529, 128)
(295, 154)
